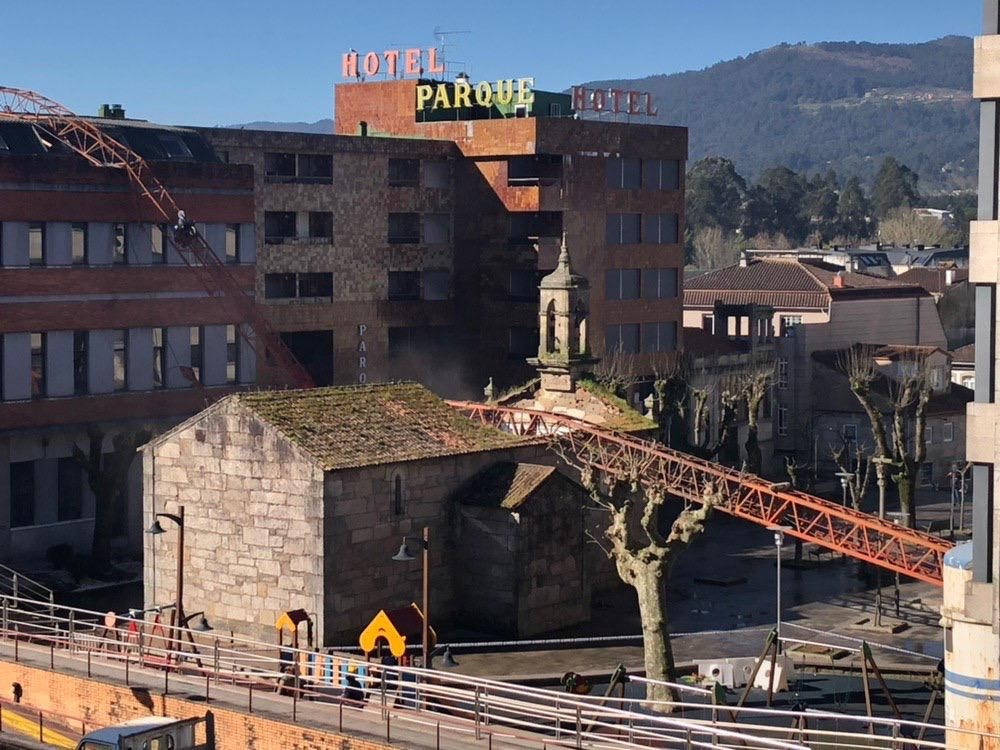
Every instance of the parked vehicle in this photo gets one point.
(148, 733)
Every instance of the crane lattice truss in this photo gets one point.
(807, 517)
(55, 123)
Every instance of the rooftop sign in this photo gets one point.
(515, 91)
(613, 100)
(396, 62)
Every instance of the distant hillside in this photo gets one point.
(320, 126)
(812, 107)
(840, 105)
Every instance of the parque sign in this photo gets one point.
(463, 94)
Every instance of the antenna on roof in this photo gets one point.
(441, 37)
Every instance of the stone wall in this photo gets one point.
(362, 533)
(524, 572)
(253, 512)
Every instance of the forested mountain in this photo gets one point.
(835, 105)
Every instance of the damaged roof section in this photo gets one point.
(352, 426)
(506, 485)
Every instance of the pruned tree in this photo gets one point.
(859, 466)
(643, 554)
(907, 398)
(107, 477)
(754, 387)
(617, 373)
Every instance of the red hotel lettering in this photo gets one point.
(391, 60)
(433, 66)
(597, 100)
(412, 63)
(371, 64)
(412, 58)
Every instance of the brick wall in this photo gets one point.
(100, 704)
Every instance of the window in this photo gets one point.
(782, 420)
(969, 381)
(660, 229)
(120, 358)
(404, 285)
(555, 109)
(279, 225)
(621, 284)
(404, 172)
(279, 285)
(80, 362)
(708, 323)
(119, 252)
(624, 172)
(623, 229)
(397, 496)
(404, 228)
(782, 373)
(437, 174)
(659, 283)
(929, 434)
(159, 239)
(315, 168)
(279, 165)
(36, 244)
(174, 146)
(788, 324)
(661, 174)
(38, 365)
(22, 493)
(316, 285)
(937, 378)
(321, 225)
(659, 337)
(69, 480)
(849, 432)
(79, 244)
(437, 229)
(948, 432)
(232, 243)
(159, 357)
(197, 351)
(232, 355)
(522, 284)
(622, 339)
(436, 285)
(926, 476)
(522, 341)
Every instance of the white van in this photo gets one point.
(148, 733)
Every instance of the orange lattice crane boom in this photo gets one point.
(54, 122)
(807, 517)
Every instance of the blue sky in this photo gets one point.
(218, 62)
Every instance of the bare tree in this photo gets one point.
(713, 249)
(617, 373)
(903, 226)
(754, 387)
(859, 466)
(907, 400)
(643, 555)
(107, 477)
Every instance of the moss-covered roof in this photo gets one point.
(346, 427)
(624, 418)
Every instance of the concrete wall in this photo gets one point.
(254, 523)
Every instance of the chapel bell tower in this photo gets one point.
(563, 351)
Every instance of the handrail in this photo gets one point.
(839, 528)
(80, 635)
(16, 583)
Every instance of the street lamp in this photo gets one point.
(845, 478)
(156, 529)
(779, 539)
(404, 555)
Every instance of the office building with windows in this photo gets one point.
(102, 323)
(410, 243)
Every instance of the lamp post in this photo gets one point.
(779, 539)
(404, 555)
(156, 529)
(845, 478)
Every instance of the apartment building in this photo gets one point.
(101, 321)
(811, 306)
(421, 239)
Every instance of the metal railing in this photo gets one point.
(13, 583)
(316, 687)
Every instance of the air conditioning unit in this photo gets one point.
(719, 670)
(783, 669)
